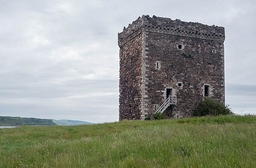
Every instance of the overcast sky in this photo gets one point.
(59, 59)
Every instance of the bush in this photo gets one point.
(158, 116)
(148, 118)
(211, 107)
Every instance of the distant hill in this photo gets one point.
(70, 122)
(18, 121)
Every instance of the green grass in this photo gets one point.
(223, 141)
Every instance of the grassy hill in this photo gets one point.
(224, 141)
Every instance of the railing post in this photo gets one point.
(170, 100)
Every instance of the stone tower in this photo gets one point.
(169, 66)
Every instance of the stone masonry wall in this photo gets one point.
(158, 54)
(130, 79)
(198, 62)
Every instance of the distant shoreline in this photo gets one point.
(18, 121)
(2, 127)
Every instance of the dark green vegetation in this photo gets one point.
(159, 116)
(17, 121)
(210, 107)
(222, 141)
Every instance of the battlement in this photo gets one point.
(169, 26)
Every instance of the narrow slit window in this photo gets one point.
(158, 65)
(206, 90)
(155, 107)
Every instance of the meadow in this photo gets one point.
(223, 141)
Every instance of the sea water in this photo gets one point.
(7, 127)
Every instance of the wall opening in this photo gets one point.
(180, 85)
(180, 46)
(168, 92)
(158, 65)
(155, 107)
(206, 90)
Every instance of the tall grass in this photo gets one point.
(224, 141)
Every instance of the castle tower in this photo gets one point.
(169, 66)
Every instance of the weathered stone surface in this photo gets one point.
(158, 55)
(130, 79)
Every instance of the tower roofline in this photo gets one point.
(169, 26)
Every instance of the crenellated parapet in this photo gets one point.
(169, 26)
(130, 32)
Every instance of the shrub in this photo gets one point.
(211, 107)
(148, 118)
(158, 116)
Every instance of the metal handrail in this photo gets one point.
(171, 100)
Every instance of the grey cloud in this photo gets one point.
(59, 59)
(241, 90)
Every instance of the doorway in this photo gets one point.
(168, 92)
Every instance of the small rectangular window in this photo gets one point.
(180, 85)
(206, 91)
